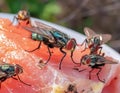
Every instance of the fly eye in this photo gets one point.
(18, 69)
(71, 44)
(88, 61)
(85, 57)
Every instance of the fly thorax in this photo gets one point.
(94, 59)
(8, 69)
(71, 44)
(60, 38)
(36, 36)
(92, 64)
(97, 40)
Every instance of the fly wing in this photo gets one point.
(44, 26)
(111, 62)
(58, 34)
(89, 32)
(48, 28)
(40, 31)
(106, 38)
(33, 30)
(2, 75)
(107, 60)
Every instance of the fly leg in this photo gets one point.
(84, 42)
(13, 20)
(21, 80)
(35, 48)
(14, 78)
(62, 57)
(49, 55)
(90, 73)
(76, 68)
(3, 79)
(98, 75)
(72, 57)
(100, 49)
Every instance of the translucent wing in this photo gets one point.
(41, 32)
(48, 28)
(107, 60)
(110, 62)
(44, 26)
(2, 74)
(106, 37)
(89, 32)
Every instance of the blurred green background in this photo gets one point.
(50, 10)
(100, 15)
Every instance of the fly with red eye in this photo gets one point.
(10, 71)
(52, 37)
(94, 41)
(95, 61)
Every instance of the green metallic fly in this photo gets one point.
(52, 37)
(10, 71)
(94, 41)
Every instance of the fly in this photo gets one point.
(71, 89)
(10, 71)
(22, 15)
(52, 37)
(94, 41)
(95, 61)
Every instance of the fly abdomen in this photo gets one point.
(36, 36)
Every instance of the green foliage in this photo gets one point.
(50, 11)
